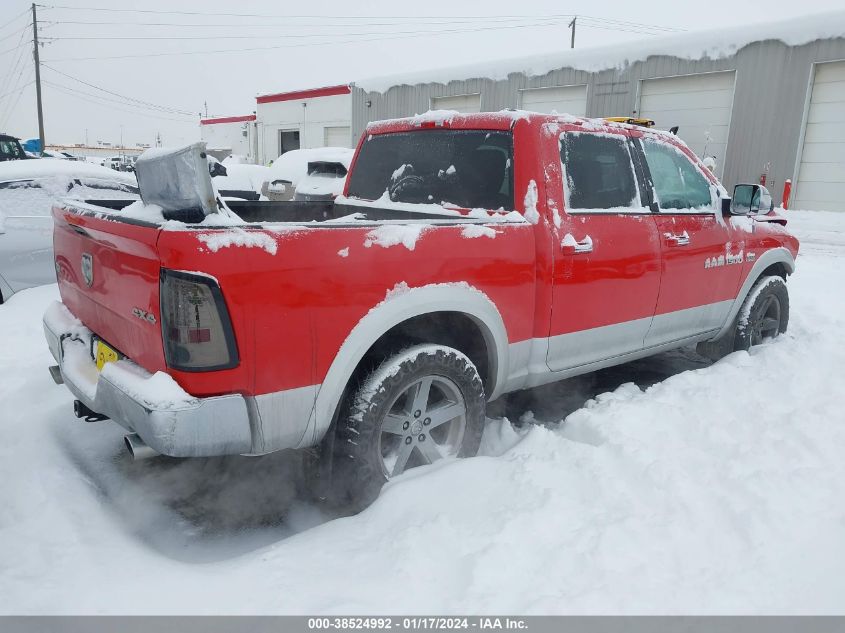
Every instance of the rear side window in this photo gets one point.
(599, 173)
(326, 168)
(466, 168)
(678, 185)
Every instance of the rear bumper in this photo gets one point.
(168, 419)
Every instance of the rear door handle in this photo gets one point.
(677, 240)
(573, 247)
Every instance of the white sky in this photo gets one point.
(229, 81)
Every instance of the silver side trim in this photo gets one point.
(682, 324)
(574, 349)
(536, 380)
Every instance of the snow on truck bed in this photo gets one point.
(668, 485)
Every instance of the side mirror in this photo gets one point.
(746, 199)
(726, 206)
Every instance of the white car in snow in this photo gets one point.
(237, 180)
(28, 191)
(308, 174)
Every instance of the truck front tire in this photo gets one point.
(764, 315)
(423, 404)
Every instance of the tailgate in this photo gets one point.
(108, 274)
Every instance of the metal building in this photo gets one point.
(767, 101)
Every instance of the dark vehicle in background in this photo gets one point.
(10, 148)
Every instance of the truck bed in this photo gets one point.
(300, 211)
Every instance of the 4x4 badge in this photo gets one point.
(149, 317)
(88, 269)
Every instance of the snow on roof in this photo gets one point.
(47, 167)
(711, 44)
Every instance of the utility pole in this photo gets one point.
(37, 77)
(205, 103)
(572, 26)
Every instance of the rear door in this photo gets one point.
(606, 275)
(701, 257)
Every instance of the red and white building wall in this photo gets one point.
(318, 117)
(234, 134)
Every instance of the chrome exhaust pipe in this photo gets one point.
(138, 450)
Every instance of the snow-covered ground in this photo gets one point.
(663, 486)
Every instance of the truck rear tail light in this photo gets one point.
(195, 323)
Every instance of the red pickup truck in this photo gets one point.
(470, 256)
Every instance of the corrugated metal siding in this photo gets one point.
(771, 90)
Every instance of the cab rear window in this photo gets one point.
(466, 168)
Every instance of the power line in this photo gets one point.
(410, 19)
(295, 35)
(149, 104)
(283, 46)
(26, 85)
(108, 100)
(14, 48)
(288, 23)
(18, 67)
(626, 27)
(76, 94)
(619, 29)
(633, 24)
(13, 68)
(16, 18)
(421, 21)
(20, 91)
(288, 17)
(13, 33)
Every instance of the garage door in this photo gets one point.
(461, 103)
(821, 176)
(562, 100)
(700, 105)
(337, 136)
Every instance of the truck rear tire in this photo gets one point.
(423, 404)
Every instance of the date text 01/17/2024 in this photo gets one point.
(417, 623)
